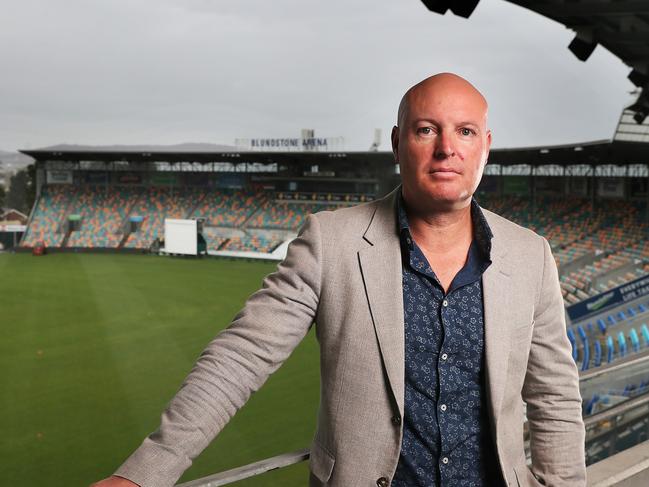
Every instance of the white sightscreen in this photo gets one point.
(180, 236)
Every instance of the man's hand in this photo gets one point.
(114, 481)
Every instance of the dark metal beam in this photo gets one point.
(587, 8)
(622, 38)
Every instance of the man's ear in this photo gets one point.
(488, 146)
(395, 143)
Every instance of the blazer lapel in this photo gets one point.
(496, 281)
(381, 270)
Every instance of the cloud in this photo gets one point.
(145, 71)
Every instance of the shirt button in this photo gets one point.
(445, 303)
(382, 482)
(443, 407)
(444, 356)
(445, 460)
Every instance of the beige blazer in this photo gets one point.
(344, 272)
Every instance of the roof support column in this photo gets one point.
(593, 190)
(533, 190)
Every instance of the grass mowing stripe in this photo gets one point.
(61, 390)
(135, 335)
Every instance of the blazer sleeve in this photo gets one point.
(551, 390)
(234, 365)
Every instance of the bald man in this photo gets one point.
(436, 320)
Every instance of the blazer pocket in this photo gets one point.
(321, 462)
(525, 477)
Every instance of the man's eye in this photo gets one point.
(466, 131)
(425, 130)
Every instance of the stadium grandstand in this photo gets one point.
(247, 202)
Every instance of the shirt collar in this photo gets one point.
(482, 234)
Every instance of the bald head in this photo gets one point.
(441, 143)
(441, 85)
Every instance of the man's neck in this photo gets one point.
(441, 232)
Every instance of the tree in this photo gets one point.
(20, 192)
(31, 187)
(3, 192)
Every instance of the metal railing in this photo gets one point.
(635, 359)
(617, 428)
(251, 470)
(607, 433)
(629, 468)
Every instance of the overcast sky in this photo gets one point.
(172, 71)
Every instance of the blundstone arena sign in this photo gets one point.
(325, 144)
(289, 143)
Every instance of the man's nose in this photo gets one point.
(444, 146)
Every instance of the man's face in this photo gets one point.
(442, 143)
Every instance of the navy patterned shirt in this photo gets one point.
(446, 433)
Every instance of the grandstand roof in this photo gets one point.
(269, 157)
(595, 153)
(621, 26)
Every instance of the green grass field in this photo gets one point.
(93, 348)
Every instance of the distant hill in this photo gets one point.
(14, 161)
(185, 147)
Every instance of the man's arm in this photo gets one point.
(233, 366)
(551, 390)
